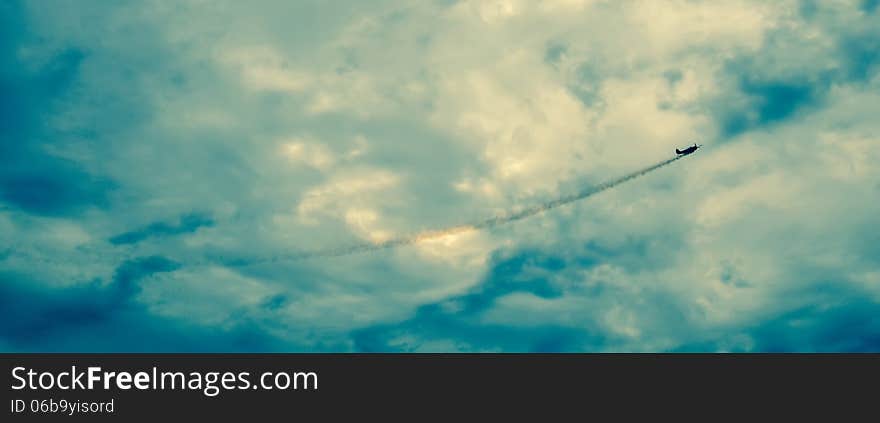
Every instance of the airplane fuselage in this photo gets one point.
(688, 150)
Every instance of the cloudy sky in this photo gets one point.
(149, 148)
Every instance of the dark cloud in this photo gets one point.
(554, 52)
(60, 190)
(187, 223)
(274, 302)
(32, 179)
(456, 320)
(835, 317)
(32, 314)
(526, 271)
(860, 54)
(767, 88)
(49, 312)
(586, 86)
(845, 323)
(673, 76)
(97, 317)
(769, 102)
(808, 8)
(131, 271)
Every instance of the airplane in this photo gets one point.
(688, 150)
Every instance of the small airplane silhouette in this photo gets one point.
(688, 150)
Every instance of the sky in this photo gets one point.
(154, 153)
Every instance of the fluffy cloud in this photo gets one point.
(155, 157)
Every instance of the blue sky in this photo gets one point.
(142, 140)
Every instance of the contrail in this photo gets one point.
(439, 233)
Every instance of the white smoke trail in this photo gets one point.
(439, 233)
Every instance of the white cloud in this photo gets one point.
(309, 152)
(345, 192)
